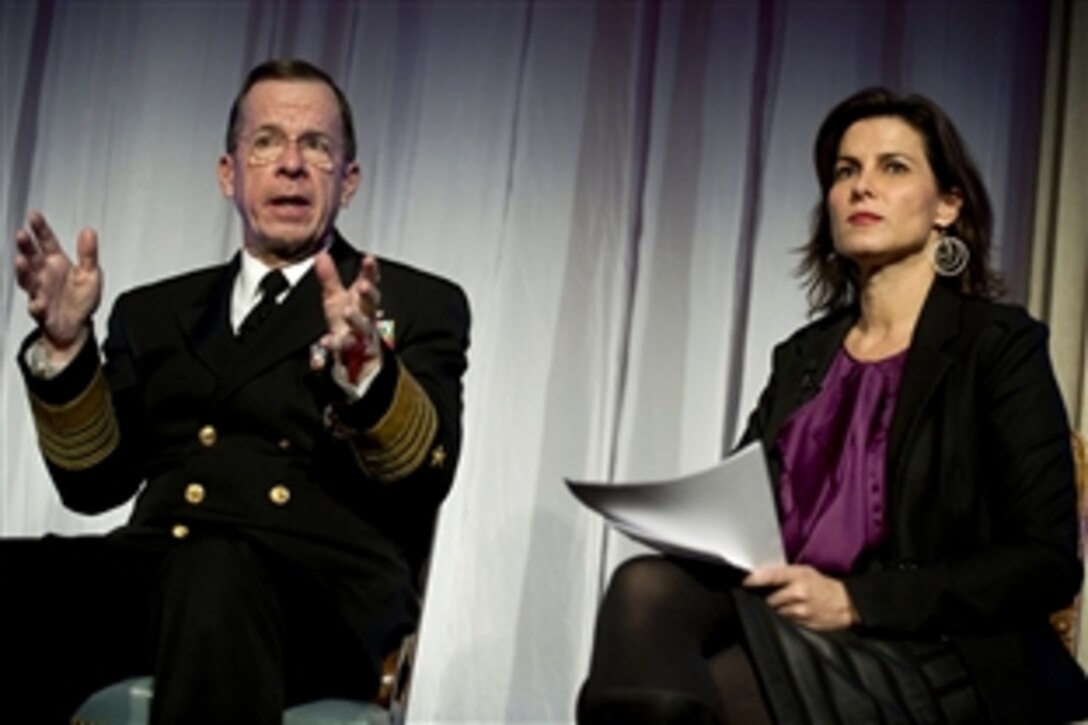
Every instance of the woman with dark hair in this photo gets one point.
(923, 471)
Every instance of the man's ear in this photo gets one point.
(352, 177)
(225, 172)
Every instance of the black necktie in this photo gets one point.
(272, 284)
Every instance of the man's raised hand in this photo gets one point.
(351, 316)
(61, 295)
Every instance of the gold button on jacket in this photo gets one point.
(279, 494)
(207, 436)
(180, 531)
(194, 493)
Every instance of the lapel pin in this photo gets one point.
(319, 356)
(387, 329)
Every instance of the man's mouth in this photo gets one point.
(289, 201)
(290, 207)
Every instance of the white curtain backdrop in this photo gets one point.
(619, 187)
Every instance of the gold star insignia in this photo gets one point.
(438, 457)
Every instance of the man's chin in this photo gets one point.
(287, 247)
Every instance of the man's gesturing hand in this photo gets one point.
(806, 596)
(62, 295)
(351, 316)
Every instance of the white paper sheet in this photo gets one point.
(725, 513)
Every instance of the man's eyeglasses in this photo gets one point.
(268, 145)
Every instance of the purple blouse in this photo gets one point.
(832, 489)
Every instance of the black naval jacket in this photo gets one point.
(214, 434)
(982, 542)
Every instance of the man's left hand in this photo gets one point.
(351, 317)
(806, 596)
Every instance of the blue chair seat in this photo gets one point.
(128, 703)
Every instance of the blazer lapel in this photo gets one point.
(293, 327)
(803, 378)
(800, 378)
(926, 365)
(206, 324)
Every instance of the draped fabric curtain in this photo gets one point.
(1059, 270)
(1058, 289)
(620, 187)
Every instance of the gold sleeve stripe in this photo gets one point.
(81, 433)
(398, 444)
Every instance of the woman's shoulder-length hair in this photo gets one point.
(831, 279)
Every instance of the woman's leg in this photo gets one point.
(659, 622)
(739, 692)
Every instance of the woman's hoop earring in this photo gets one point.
(950, 255)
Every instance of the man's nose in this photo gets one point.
(291, 160)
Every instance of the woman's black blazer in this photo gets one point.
(982, 542)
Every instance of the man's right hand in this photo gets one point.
(62, 296)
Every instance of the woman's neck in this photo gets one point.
(890, 300)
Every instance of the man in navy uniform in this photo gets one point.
(288, 422)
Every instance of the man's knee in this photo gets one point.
(211, 586)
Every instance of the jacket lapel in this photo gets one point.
(206, 324)
(799, 378)
(805, 374)
(293, 327)
(926, 365)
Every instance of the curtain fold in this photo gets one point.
(1059, 252)
(1058, 291)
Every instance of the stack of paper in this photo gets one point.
(725, 513)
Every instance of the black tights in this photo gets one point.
(668, 648)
